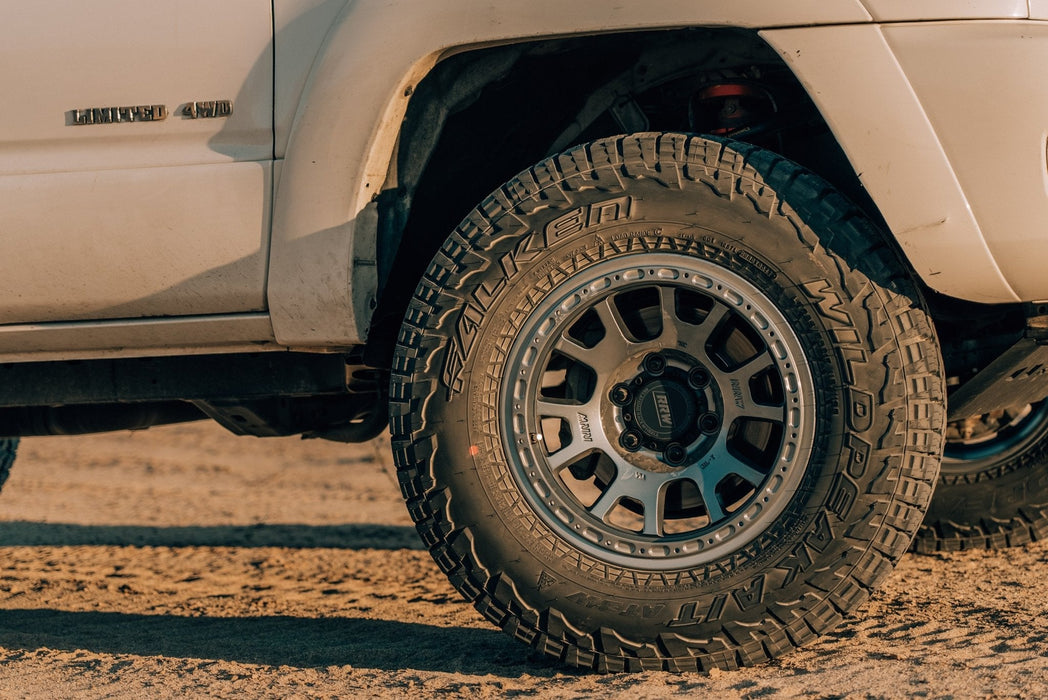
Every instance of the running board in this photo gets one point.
(1018, 377)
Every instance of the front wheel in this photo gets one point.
(666, 402)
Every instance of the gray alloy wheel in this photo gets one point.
(661, 411)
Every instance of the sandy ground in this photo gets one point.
(186, 561)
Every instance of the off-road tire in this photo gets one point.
(668, 209)
(992, 502)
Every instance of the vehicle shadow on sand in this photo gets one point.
(348, 536)
(269, 640)
(275, 641)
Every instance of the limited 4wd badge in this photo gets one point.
(211, 109)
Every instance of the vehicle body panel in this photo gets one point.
(318, 108)
(137, 337)
(982, 87)
(864, 95)
(300, 28)
(910, 11)
(944, 122)
(180, 241)
(143, 218)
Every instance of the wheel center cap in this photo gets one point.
(665, 409)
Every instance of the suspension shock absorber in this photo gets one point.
(732, 109)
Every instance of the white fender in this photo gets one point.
(322, 276)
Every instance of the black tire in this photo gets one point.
(813, 488)
(993, 487)
(8, 447)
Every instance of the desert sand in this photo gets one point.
(187, 561)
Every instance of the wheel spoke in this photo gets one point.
(771, 414)
(566, 345)
(568, 411)
(612, 348)
(754, 366)
(646, 488)
(718, 467)
(608, 500)
(655, 510)
(747, 473)
(692, 338)
(575, 416)
(670, 323)
(723, 464)
(714, 510)
(616, 341)
(570, 454)
(738, 395)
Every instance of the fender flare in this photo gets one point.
(852, 75)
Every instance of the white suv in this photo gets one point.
(678, 311)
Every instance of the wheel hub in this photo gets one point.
(664, 409)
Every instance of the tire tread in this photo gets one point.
(776, 188)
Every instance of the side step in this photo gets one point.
(1019, 376)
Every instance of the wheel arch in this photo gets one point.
(338, 222)
(486, 94)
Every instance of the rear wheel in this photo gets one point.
(993, 488)
(666, 402)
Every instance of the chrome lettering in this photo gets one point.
(118, 115)
(207, 110)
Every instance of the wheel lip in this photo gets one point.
(790, 464)
(967, 459)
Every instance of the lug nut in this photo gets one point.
(630, 440)
(620, 395)
(654, 364)
(709, 423)
(699, 378)
(675, 454)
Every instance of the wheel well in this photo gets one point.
(482, 116)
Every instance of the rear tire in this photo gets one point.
(716, 506)
(993, 487)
